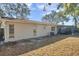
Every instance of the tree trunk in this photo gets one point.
(75, 23)
(62, 23)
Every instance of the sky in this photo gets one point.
(37, 11)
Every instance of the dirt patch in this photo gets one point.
(27, 46)
(66, 47)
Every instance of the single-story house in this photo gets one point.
(17, 29)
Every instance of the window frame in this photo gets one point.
(34, 32)
(52, 28)
(11, 30)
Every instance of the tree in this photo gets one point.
(1, 13)
(15, 10)
(55, 17)
(71, 9)
(22, 10)
(50, 17)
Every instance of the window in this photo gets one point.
(11, 31)
(52, 28)
(44, 27)
(0, 25)
(34, 32)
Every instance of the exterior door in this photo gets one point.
(1, 34)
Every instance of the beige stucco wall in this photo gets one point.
(25, 31)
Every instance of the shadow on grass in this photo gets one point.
(24, 46)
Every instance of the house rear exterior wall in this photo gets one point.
(25, 31)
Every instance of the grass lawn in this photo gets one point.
(68, 46)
